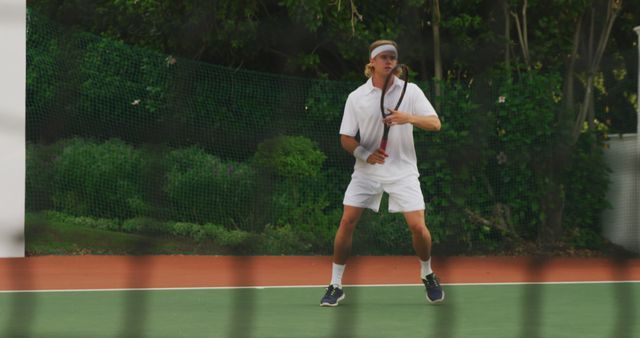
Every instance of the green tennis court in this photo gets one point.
(504, 310)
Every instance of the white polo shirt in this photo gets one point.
(362, 113)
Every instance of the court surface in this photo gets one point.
(196, 296)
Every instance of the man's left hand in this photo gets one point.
(397, 117)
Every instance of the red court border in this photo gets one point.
(118, 272)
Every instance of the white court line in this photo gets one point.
(312, 286)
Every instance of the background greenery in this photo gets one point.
(329, 39)
(130, 132)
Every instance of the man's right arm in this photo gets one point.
(351, 145)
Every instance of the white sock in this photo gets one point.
(425, 268)
(336, 275)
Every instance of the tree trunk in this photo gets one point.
(569, 78)
(521, 27)
(594, 58)
(582, 115)
(507, 36)
(436, 50)
(553, 209)
(591, 113)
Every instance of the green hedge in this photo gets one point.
(116, 180)
(202, 188)
(99, 179)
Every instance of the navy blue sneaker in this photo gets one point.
(435, 294)
(332, 297)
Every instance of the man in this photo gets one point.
(376, 171)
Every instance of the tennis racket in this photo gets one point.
(405, 77)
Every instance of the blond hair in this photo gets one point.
(368, 68)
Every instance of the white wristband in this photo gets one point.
(361, 153)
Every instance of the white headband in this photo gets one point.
(383, 48)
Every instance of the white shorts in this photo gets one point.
(404, 194)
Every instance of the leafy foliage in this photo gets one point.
(290, 157)
(585, 184)
(99, 179)
(202, 188)
(487, 176)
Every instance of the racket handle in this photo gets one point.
(383, 144)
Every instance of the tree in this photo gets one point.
(570, 122)
(435, 8)
(594, 54)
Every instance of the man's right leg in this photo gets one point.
(341, 251)
(344, 235)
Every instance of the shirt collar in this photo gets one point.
(370, 88)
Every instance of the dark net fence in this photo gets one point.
(160, 144)
(130, 140)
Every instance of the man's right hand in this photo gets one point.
(377, 157)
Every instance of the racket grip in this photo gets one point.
(383, 144)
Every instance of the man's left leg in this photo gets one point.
(421, 238)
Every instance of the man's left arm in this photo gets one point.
(423, 115)
(428, 122)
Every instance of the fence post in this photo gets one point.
(12, 127)
(637, 159)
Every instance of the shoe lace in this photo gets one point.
(331, 291)
(432, 282)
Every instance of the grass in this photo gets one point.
(51, 233)
(46, 236)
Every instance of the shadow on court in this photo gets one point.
(136, 308)
(532, 299)
(244, 300)
(624, 298)
(445, 314)
(345, 318)
(23, 304)
(622, 293)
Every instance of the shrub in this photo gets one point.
(312, 234)
(290, 157)
(143, 225)
(382, 233)
(40, 175)
(586, 185)
(99, 179)
(84, 221)
(234, 241)
(526, 130)
(291, 180)
(453, 165)
(278, 240)
(202, 188)
(489, 172)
